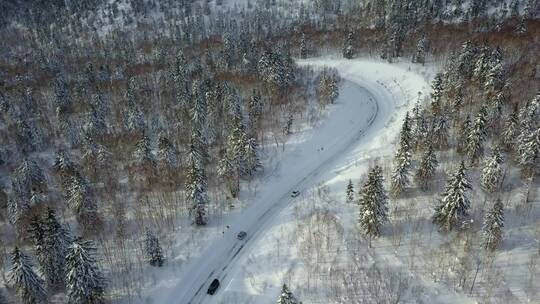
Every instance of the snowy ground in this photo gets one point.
(256, 277)
(362, 124)
(312, 243)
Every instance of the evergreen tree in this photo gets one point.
(426, 171)
(143, 154)
(251, 156)
(196, 186)
(82, 203)
(493, 224)
(400, 175)
(373, 204)
(421, 51)
(349, 193)
(153, 250)
(454, 205)
(348, 50)
(492, 172)
(286, 296)
(167, 154)
(476, 136)
(255, 109)
(27, 283)
(84, 280)
(463, 133)
(529, 157)
(179, 75)
(134, 118)
(510, 131)
(437, 93)
(303, 47)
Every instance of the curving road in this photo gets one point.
(363, 108)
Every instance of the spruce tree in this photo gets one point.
(167, 153)
(349, 193)
(82, 202)
(454, 206)
(153, 250)
(510, 130)
(492, 172)
(84, 281)
(251, 153)
(426, 171)
(143, 154)
(56, 239)
(529, 159)
(373, 204)
(421, 51)
(400, 175)
(476, 136)
(348, 50)
(286, 296)
(27, 283)
(441, 128)
(493, 224)
(437, 93)
(303, 47)
(196, 186)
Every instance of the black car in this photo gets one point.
(241, 235)
(213, 287)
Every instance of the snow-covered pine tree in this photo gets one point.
(510, 131)
(30, 177)
(463, 132)
(143, 154)
(349, 192)
(83, 204)
(251, 153)
(179, 75)
(476, 136)
(286, 296)
(84, 281)
(529, 157)
(493, 224)
(492, 172)
(56, 239)
(437, 93)
(348, 49)
(196, 186)
(255, 109)
(466, 58)
(373, 204)
(427, 168)
(441, 128)
(402, 161)
(421, 51)
(454, 205)
(303, 46)
(27, 283)
(153, 250)
(134, 117)
(167, 155)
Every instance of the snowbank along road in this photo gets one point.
(364, 107)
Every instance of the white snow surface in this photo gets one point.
(362, 124)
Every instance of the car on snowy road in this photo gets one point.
(295, 193)
(241, 235)
(213, 287)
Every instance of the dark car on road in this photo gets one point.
(213, 287)
(241, 235)
(295, 193)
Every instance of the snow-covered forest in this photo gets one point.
(293, 151)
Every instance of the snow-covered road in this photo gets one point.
(365, 106)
